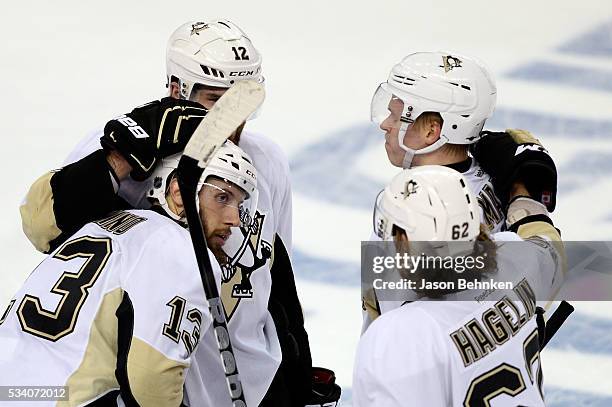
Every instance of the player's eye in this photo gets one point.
(223, 198)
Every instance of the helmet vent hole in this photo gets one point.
(235, 165)
(157, 183)
(468, 198)
(404, 80)
(212, 72)
(462, 183)
(454, 127)
(472, 214)
(465, 115)
(466, 87)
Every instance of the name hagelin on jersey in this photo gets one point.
(236, 273)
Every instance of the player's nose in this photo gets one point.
(384, 125)
(232, 216)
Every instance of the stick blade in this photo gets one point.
(227, 114)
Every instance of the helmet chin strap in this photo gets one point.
(410, 153)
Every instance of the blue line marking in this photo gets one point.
(553, 125)
(326, 271)
(329, 162)
(555, 397)
(563, 75)
(584, 170)
(584, 333)
(597, 42)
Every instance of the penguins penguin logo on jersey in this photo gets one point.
(249, 252)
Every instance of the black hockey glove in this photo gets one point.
(515, 155)
(325, 391)
(151, 132)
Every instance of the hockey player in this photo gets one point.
(450, 353)
(116, 313)
(432, 109)
(203, 60)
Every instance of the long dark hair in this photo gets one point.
(484, 248)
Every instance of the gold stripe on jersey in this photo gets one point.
(369, 303)
(154, 379)
(539, 228)
(6, 312)
(96, 373)
(531, 230)
(522, 136)
(37, 216)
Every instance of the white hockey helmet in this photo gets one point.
(214, 53)
(458, 87)
(230, 163)
(431, 203)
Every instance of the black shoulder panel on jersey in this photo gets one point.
(83, 192)
(284, 306)
(461, 166)
(125, 329)
(529, 219)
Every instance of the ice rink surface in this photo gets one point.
(69, 66)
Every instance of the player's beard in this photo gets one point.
(235, 137)
(215, 244)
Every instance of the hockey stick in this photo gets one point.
(228, 113)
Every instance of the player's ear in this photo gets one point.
(174, 198)
(400, 238)
(434, 128)
(174, 90)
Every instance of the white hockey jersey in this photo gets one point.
(120, 305)
(469, 353)
(246, 282)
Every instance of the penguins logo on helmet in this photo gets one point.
(411, 187)
(197, 27)
(449, 62)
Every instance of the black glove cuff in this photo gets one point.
(82, 192)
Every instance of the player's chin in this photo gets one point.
(218, 253)
(392, 156)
